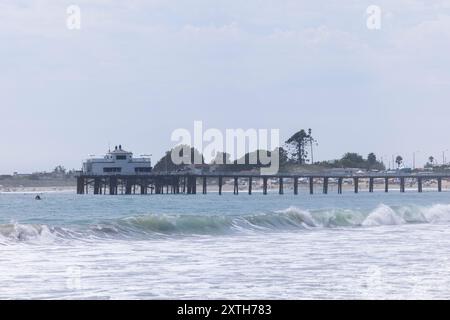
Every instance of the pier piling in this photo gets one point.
(204, 185)
(80, 185)
(402, 184)
(96, 186)
(112, 185)
(340, 181)
(325, 185)
(264, 185)
(280, 186)
(128, 186)
(371, 183)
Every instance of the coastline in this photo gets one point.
(55, 189)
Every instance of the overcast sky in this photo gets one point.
(137, 70)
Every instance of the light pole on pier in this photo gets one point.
(443, 156)
(383, 158)
(414, 159)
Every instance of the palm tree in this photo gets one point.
(431, 160)
(399, 161)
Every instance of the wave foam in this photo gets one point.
(383, 215)
(25, 232)
(292, 218)
(437, 213)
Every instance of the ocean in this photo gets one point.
(350, 246)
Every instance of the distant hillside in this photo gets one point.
(37, 180)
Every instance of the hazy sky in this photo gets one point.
(137, 70)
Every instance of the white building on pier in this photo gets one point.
(117, 162)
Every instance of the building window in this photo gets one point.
(121, 157)
(145, 169)
(108, 170)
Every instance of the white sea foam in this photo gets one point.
(437, 213)
(26, 232)
(383, 215)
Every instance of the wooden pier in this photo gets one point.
(185, 183)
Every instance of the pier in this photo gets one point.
(187, 183)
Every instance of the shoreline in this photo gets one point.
(31, 190)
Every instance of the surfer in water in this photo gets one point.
(38, 197)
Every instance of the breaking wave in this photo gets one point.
(165, 225)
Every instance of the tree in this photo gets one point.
(221, 158)
(352, 160)
(431, 160)
(298, 142)
(59, 169)
(251, 160)
(283, 156)
(371, 159)
(165, 164)
(399, 161)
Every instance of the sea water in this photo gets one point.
(356, 246)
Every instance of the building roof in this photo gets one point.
(118, 149)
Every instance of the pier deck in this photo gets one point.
(176, 183)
